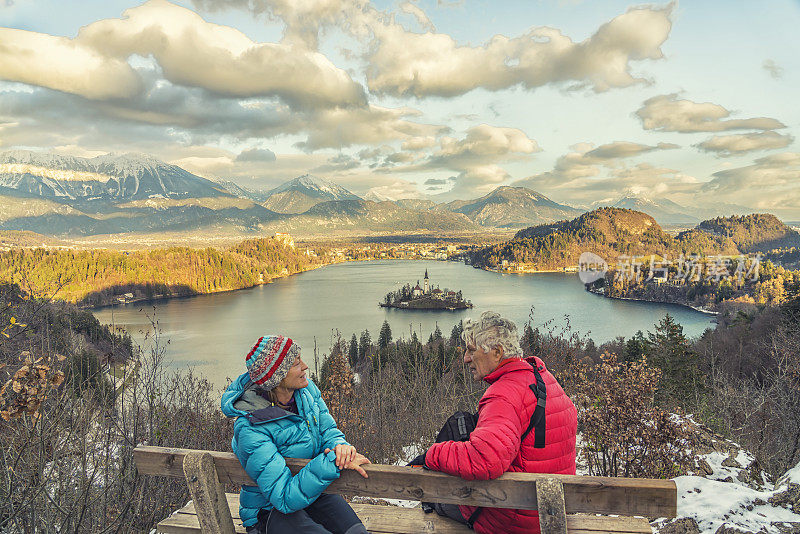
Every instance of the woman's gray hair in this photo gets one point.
(493, 330)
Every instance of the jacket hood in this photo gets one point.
(240, 399)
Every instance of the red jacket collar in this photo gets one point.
(506, 366)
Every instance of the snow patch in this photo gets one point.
(713, 503)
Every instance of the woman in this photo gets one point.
(280, 413)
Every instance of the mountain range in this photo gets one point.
(65, 195)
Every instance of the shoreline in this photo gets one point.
(159, 298)
(271, 280)
(565, 271)
(695, 308)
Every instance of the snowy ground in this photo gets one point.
(735, 494)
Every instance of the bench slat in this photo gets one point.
(623, 496)
(179, 523)
(392, 519)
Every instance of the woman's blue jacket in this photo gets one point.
(264, 433)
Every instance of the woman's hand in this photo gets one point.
(344, 455)
(350, 462)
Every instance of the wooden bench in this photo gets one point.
(566, 503)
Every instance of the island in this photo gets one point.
(425, 298)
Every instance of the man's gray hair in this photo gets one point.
(490, 331)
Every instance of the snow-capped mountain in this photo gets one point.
(512, 207)
(663, 210)
(667, 212)
(256, 195)
(377, 197)
(114, 177)
(303, 193)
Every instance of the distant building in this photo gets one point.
(286, 239)
(417, 291)
(426, 289)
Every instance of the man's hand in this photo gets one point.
(356, 464)
(344, 455)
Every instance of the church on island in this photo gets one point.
(425, 297)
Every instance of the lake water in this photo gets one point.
(213, 333)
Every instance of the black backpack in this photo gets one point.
(460, 425)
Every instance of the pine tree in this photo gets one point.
(437, 334)
(353, 352)
(635, 347)
(669, 350)
(455, 334)
(364, 345)
(385, 337)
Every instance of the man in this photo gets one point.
(505, 413)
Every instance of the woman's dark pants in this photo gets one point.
(328, 514)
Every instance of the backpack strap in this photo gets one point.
(474, 517)
(537, 423)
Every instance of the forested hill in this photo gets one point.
(757, 232)
(608, 232)
(97, 277)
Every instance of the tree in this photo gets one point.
(669, 350)
(365, 343)
(455, 334)
(635, 347)
(437, 333)
(353, 352)
(385, 337)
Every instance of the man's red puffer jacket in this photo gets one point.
(504, 413)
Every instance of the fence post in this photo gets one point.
(552, 509)
(209, 499)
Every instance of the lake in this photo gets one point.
(213, 333)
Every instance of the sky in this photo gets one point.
(583, 101)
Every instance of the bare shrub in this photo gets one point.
(624, 433)
(66, 459)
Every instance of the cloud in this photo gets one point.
(586, 174)
(769, 176)
(256, 154)
(340, 127)
(667, 113)
(771, 183)
(64, 65)
(439, 181)
(189, 51)
(475, 157)
(483, 143)
(625, 149)
(401, 63)
(422, 19)
(165, 114)
(418, 143)
(339, 162)
(303, 19)
(773, 69)
(732, 145)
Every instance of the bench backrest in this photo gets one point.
(582, 494)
